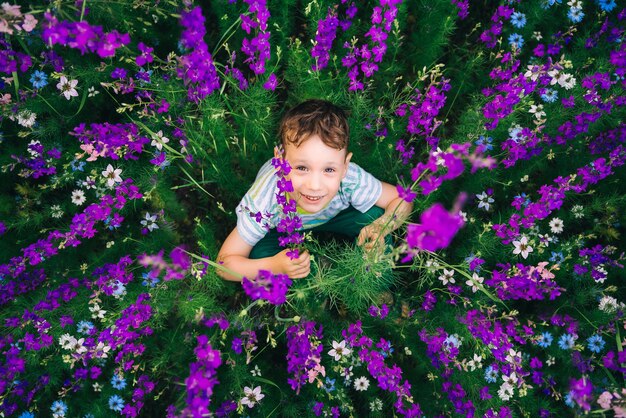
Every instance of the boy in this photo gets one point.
(332, 194)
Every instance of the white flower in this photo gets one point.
(431, 266)
(475, 363)
(150, 222)
(522, 247)
(97, 312)
(97, 387)
(92, 92)
(101, 350)
(26, 118)
(577, 211)
(361, 383)
(447, 277)
(67, 87)
(78, 197)
(256, 371)
(533, 72)
(56, 211)
(251, 396)
(537, 111)
(567, 81)
(537, 36)
(376, 405)
(609, 304)
(484, 201)
(556, 226)
(511, 379)
(463, 216)
(32, 148)
(112, 175)
(339, 350)
(554, 74)
(514, 356)
(474, 282)
(79, 347)
(67, 341)
(159, 140)
(575, 4)
(506, 391)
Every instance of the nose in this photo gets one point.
(314, 182)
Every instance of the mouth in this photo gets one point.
(311, 199)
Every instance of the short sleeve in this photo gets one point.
(363, 189)
(255, 211)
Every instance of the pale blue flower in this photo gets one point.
(517, 40)
(487, 142)
(59, 409)
(39, 79)
(518, 19)
(118, 382)
(545, 339)
(595, 343)
(550, 96)
(557, 258)
(567, 341)
(26, 414)
(77, 165)
(607, 5)
(116, 403)
(491, 374)
(84, 327)
(569, 399)
(575, 14)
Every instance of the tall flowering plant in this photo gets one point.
(130, 130)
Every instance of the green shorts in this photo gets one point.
(348, 223)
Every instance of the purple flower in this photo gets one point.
(436, 229)
(267, 286)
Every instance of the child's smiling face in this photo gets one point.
(316, 172)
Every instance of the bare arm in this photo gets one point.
(397, 210)
(234, 256)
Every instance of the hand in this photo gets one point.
(297, 268)
(372, 236)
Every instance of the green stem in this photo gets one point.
(281, 319)
(195, 182)
(82, 11)
(214, 264)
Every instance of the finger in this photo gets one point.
(362, 236)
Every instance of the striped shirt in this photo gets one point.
(259, 211)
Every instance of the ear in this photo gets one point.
(348, 157)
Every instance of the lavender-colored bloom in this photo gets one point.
(436, 229)
(582, 392)
(267, 286)
(82, 36)
(324, 37)
(304, 352)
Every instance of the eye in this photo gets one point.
(301, 168)
(330, 170)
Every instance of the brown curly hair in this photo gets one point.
(315, 117)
